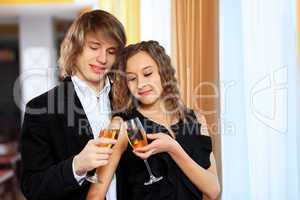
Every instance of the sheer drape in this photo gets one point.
(260, 141)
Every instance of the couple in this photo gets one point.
(59, 142)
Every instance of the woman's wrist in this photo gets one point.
(174, 148)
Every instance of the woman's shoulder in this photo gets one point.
(195, 116)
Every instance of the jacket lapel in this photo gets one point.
(77, 126)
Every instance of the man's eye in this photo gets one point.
(93, 48)
(112, 51)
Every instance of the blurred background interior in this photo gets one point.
(236, 62)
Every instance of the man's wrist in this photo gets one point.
(76, 169)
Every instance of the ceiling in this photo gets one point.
(9, 14)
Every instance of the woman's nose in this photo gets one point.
(141, 82)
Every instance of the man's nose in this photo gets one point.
(102, 56)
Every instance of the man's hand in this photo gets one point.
(93, 155)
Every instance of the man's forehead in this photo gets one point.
(101, 37)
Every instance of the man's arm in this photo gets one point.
(40, 176)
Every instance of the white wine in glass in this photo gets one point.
(137, 138)
(111, 132)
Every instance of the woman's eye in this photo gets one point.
(147, 74)
(130, 78)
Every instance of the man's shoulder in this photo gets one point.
(44, 98)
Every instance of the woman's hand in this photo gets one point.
(161, 143)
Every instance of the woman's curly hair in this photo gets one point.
(124, 101)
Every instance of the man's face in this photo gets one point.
(96, 59)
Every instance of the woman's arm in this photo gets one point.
(98, 191)
(206, 180)
(105, 173)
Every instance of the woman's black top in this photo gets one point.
(132, 172)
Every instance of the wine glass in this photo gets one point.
(111, 132)
(137, 138)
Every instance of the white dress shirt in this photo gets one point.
(98, 111)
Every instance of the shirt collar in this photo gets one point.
(86, 90)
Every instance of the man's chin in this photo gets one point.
(98, 77)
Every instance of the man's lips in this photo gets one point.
(97, 69)
(144, 93)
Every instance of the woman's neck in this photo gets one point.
(158, 113)
(152, 109)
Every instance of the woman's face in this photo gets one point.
(143, 78)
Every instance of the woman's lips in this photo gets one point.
(97, 69)
(145, 93)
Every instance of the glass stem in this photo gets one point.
(148, 167)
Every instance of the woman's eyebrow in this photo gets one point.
(129, 73)
(147, 67)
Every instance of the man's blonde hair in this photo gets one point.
(93, 21)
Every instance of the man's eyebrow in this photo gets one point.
(93, 42)
(99, 43)
(113, 47)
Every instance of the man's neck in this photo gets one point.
(96, 86)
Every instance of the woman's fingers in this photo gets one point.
(146, 148)
(153, 136)
(144, 155)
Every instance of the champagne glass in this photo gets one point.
(111, 132)
(137, 138)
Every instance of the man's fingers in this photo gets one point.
(100, 163)
(102, 157)
(103, 150)
(104, 140)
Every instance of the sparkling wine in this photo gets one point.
(109, 133)
(136, 138)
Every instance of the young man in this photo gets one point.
(57, 144)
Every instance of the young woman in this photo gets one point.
(180, 149)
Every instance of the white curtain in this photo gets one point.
(156, 22)
(260, 97)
